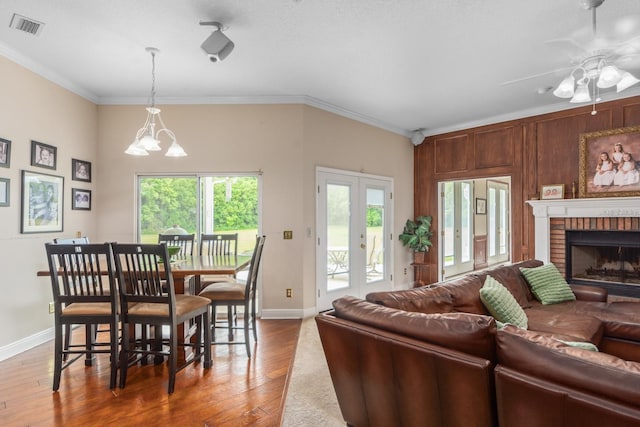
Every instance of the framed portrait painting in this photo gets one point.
(481, 206)
(42, 202)
(81, 170)
(43, 155)
(80, 199)
(610, 163)
(5, 153)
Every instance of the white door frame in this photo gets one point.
(358, 250)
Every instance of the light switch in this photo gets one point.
(288, 234)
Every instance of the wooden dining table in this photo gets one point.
(197, 266)
(202, 265)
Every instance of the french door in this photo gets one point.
(457, 227)
(498, 222)
(354, 250)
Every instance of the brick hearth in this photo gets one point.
(554, 217)
(558, 226)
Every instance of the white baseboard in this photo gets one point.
(25, 344)
(288, 313)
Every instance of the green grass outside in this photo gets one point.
(339, 235)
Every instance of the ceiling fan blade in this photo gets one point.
(629, 62)
(535, 76)
(633, 44)
(572, 47)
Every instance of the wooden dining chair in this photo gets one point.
(185, 241)
(148, 298)
(67, 333)
(84, 293)
(218, 245)
(235, 294)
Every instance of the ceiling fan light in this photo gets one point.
(581, 95)
(565, 88)
(626, 81)
(609, 76)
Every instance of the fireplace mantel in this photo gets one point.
(543, 210)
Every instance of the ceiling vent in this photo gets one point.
(28, 25)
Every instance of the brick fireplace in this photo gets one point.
(554, 218)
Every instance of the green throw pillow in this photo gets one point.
(501, 304)
(547, 284)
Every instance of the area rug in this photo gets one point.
(311, 400)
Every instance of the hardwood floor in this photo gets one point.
(236, 391)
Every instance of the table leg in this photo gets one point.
(186, 330)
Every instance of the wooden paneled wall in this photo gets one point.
(533, 151)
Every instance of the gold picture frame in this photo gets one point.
(552, 191)
(610, 163)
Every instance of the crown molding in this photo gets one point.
(46, 73)
(55, 78)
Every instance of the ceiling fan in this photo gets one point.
(597, 66)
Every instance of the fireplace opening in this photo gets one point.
(609, 259)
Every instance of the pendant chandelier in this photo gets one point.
(147, 138)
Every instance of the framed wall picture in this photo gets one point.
(4, 191)
(81, 170)
(80, 199)
(42, 202)
(610, 163)
(553, 191)
(43, 155)
(481, 206)
(5, 153)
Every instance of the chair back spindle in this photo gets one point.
(185, 241)
(219, 244)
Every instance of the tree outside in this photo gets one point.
(169, 201)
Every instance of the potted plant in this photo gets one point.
(417, 236)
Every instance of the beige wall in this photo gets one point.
(33, 108)
(336, 142)
(285, 142)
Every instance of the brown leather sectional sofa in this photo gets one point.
(432, 356)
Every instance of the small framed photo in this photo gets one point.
(481, 206)
(80, 199)
(43, 155)
(553, 191)
(4, 191)
(5, 153)
(81, 170)
(42, 202)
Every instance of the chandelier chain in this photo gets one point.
(153, 79)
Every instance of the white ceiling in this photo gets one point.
(397, 64)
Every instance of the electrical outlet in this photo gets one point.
(51, 308)
(289, 292)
